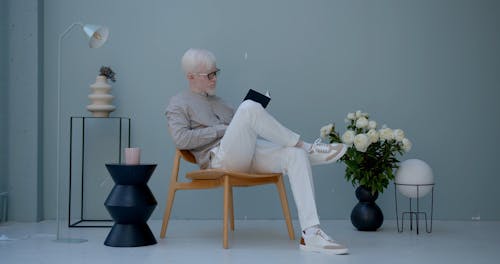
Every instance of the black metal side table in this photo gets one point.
(130, 204)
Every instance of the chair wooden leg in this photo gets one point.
(231, 207)
(166, 216)
(227, 188)
(284, 204)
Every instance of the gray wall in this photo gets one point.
(3, 94)
(428, 67)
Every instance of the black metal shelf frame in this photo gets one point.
(121, 120)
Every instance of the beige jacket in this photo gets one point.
(197, 123)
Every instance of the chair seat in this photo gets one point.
(212, 174)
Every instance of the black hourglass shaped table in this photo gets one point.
(130, 204)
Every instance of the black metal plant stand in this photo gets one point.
(414, 214)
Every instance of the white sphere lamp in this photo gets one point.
(414, 174)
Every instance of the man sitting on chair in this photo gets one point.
(219, 137)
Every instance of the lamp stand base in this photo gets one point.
(70, 240)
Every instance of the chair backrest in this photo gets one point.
(186, 154)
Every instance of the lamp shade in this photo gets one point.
(97, 35)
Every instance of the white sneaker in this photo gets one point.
(322, 153)
(321, 242)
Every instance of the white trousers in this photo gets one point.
(241, 150)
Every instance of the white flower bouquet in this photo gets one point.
(371, 157)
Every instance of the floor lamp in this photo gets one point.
(97, 36)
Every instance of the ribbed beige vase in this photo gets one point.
(101, 99)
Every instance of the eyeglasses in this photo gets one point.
(210, 75)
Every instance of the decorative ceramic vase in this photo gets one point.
(100, 98)
(366, 215)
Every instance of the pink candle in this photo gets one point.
(132, 156)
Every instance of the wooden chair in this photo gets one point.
(213, 178)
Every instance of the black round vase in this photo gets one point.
(130, 204)
(366, 215)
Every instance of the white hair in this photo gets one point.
(193, 58)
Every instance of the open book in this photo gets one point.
(263, 99)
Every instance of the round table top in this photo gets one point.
(124, 164)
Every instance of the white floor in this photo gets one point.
(255, 242)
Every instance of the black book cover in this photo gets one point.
(257, 97)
